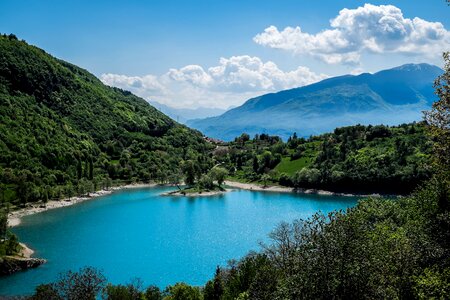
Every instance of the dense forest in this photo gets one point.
(351, 159)
(64, 133)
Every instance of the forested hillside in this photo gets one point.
(63, 132)
(350, 159)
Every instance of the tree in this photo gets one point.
(69, 190)
(45, 194)
(255, 164)
(190, 171)
(79, 169)
(265, 178)
(91, 169)
(438, 118)
(206, 182)
(153, 293)
(46, 292)
(130, 291)
(3, 223)
(218, 174)
(214, 288)
(175, 178)
(87, 283)
(182, 291)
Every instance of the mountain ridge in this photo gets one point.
(401, 92)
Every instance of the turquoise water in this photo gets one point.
(162, 240)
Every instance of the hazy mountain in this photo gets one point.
(182, 115)
(389, 97)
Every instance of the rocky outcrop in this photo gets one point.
(22, 261)
(12, 264)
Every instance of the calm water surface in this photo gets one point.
(162, 240)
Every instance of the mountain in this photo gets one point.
(389, 97)
(182, 115)
(62, 131)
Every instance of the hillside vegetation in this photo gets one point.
(351, 159)
(63, 132)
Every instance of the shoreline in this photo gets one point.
(21, 261)
(283, 189)
(14, 217)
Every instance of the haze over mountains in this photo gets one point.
(182, 115)
(390, 97)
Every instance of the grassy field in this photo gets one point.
(289, 166)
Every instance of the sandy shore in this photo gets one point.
(282, 189)
(25, 252)
(33, 208)
(257, 187)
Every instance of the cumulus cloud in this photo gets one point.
(371, 28)
(230, 83)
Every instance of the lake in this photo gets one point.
(162, 240)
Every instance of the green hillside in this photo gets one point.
(350, 159)
(63, 132)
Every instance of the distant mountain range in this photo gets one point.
(182, 115)
(388, 97)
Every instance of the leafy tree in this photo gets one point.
(214, 288)
(153, 293)
(190, 171)
(3, 222)
(265, 178)
(87, 283)
(131, 291)
(182, 291)
(206, 182)
(46, 292)
(218, 174)
(438, 119)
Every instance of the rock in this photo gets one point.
(12, 264)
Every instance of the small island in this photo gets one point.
(209, 184)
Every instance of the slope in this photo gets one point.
(63, 132)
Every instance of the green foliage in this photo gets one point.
(64, 133)
(380, 249)
(131, 291)
(218, 174)
(153, 293)
(46, 292)
(433, 284)
(182, 291)
(9, 244)
(351, 159)
(439, 119)
(87, 284)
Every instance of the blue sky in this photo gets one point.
(145, 46)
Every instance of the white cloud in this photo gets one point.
(371, 28)
(231, 82)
